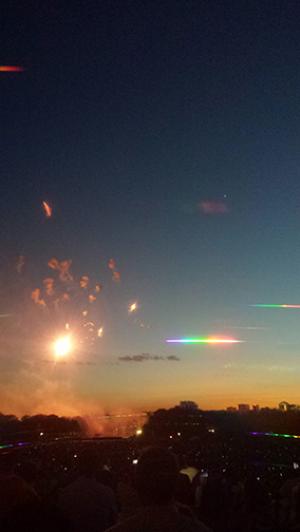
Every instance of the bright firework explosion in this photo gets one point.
(62, 347)
(71, 304)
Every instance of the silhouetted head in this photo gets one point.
(156, 476)
(88, 462)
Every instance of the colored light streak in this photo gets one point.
(275, 434)
(275, 306)
(203, 341)
(10, 68)
(13, 445)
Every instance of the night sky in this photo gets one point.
(165, 135)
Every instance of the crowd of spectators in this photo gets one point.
(235, 484)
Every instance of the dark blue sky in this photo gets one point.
(129, 115)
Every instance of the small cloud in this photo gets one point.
(144, 357)
(211, 207)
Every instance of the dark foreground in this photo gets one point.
(242, 484)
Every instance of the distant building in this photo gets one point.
(231, 409)
(188, 405)
(255, 408)
(284, 406)
(287, 407)
(243, 408)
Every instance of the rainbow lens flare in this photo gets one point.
(203, 341)
(263, 305)
(274, 434)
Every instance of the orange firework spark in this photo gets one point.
(100, 332)
(36, 297)
(53, 264)
(84, 281)
(65, 274)
(116, 277)
(10, 68)
(111, 264)
(98, 288)
(84, 313)
(92, 298)
(47, 209)
(63, 267)
(49, 286)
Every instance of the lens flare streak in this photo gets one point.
(203, 341)
(263, 305)
(10, 68)
(274, 434)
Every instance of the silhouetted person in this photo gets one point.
(156, 479)
(88, 504)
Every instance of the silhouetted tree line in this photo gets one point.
(187, 420)
(32, 427)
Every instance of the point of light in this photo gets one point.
(133, 307)
(267, 305)
(62, 347)
(203, 341)
(139, 432)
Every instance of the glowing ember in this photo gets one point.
(100, 332)
(204, 341)
(62, 347)
(10, 68)
(133, 307)
(47, 209)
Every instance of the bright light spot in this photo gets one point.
(135, 461)
(133, 307)
(75, 455)
(139, 432)
(170, 437)
(178, 433)
(211, 430)
(62, 346)
(41, 434)
(100, 332)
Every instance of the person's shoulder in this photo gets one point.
(127, 525)
(193, 525)
(140, 522)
